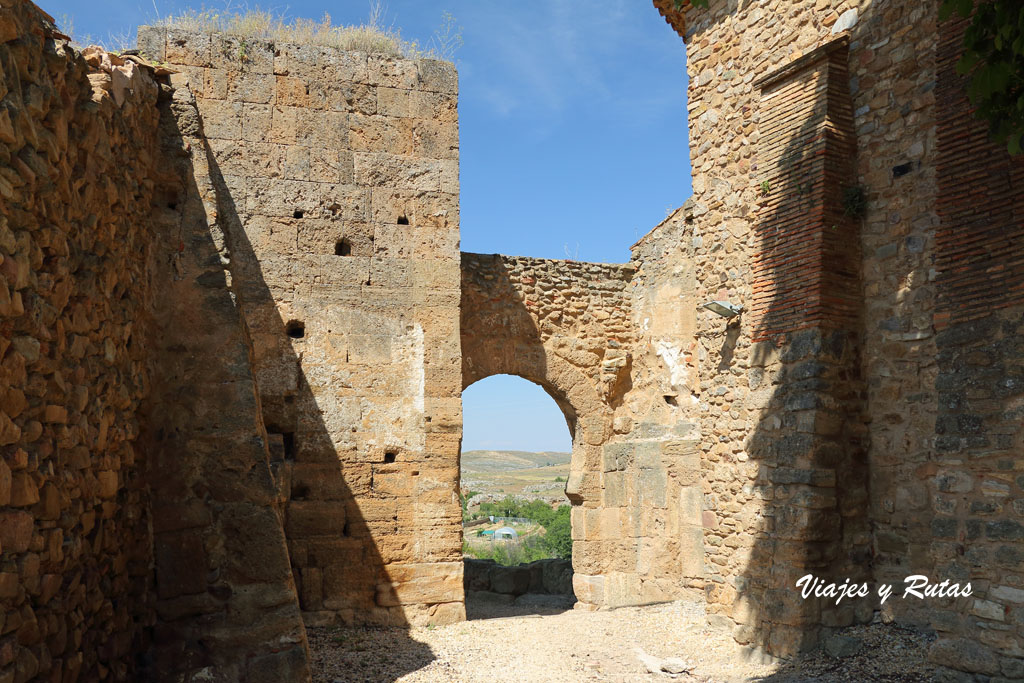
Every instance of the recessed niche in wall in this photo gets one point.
(343, 248)
(296, 329)
(390, 456)
(287, 449)
(298, 213)
(403, 220)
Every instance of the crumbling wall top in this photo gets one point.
(221, 50)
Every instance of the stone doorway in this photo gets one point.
(517, 529)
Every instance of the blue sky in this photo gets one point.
(573, 141)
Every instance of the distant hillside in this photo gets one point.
(517, 473)
(494, 461)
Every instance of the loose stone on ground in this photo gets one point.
(513, 644)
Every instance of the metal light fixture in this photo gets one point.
(723, 308)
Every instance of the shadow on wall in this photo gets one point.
(225, 596)
(803, 376)
(246, 493)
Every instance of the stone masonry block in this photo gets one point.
(242, 54)
(187, 49)
(391, 72)
(152, 42)
(438, 76)
(402, 173)
(618, 456)
(246, 86)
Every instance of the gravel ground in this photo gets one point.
(501, 644)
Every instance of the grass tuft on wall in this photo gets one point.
(372, 36)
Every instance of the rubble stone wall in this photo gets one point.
(976, 492)
(75, 309)
(777, 409)
(337, 189)
(130, 548)
(916, 390)
(572, 328)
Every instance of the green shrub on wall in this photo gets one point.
(994, 57)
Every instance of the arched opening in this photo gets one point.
(517, 529)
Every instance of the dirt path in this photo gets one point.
(588, 646)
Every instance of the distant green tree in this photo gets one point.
(537, 511)
(558, 534)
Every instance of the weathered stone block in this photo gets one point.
(618, 456)
(304, 519)
(5, 484)
(589, 589)
(437, 76)
(421, 583)
(15, 531)
(964, 655)
(152, 42)
(186, 48)
(651, 486)
(181, 564)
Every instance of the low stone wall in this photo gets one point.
(486, 579)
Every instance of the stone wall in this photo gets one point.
(976, 492)
(917, 372)
(776, 395)
(659, 434)
(130, 547)
(225, 593)
(75, 310)
(566, 326)
(893, 81)
(542, 583)
(583, 331)
(337, 184)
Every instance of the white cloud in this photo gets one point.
(544, 58)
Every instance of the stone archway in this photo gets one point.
(567, 327)
(586, 437)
